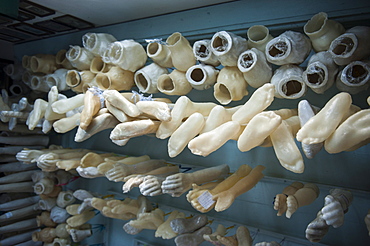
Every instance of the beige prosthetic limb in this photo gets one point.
(226, 198)
(259, 101)
(302, 197)
(148, 220)
(182, 135)
(80, 219)
(217, 117)
(132, 129)
(67, 124)
(353, 131)
(281, 199)
(183, 108)
(38, 112)
(92, 105)
(210, 141)
(179, 183)
(119, 101)
(193, 238)
(212, 238)
(159, 110)
(164, 230)
(93, 159)
(258, 129)
(314, 131)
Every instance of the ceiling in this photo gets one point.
(44, 18)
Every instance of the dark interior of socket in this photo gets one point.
(142, 80)
(197, 75)
(247, 60)
(356, 74)
(203, 51)
(167, 84)
(219, 44)
(153, 48)
(278, 49)
(292, 87)
(344, 46)
(317, 77)
(224, 92)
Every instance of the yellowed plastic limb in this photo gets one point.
(134, 181)
(259, 101)
(286, 113)
(217, 117)
(226, 198)
(119, 101)
(150, 220)
(164, 230)
(93, 159)
(107, 211)
(183, 108)
(134, 159)
(67, 124)
(210, 141)
(160, 110)
(182, 135)
(68, 164)
(302, 197)
(127, 206)
(286, 149)
(315, 131)
(134, 129)
(38, 112)
(92, 106)
(80, 219)
(351, 132)
(119, 114)
(258, 129)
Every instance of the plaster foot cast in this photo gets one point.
(195, 196)
(210, 141)
(164, 230)
(159, 53)
(79, 235)
(352, 132)
(322, 31)
(181, 52)
(128, 207)
(61, 59)
(355, 77)
(79, 81)
(320, 72)
(38, 112)
(119, 101)
(280, 199)
(289, 82)
(120, 171)
(97, 43)
(243, 236)
(193, 239)
(146, 78)
(174, 83)
(306, 112)
(151, 220)
(258, 129)
(79, 57)
(133, 129)
(286, 149)
(183, 108)
(127, 54)
(159, 110)
(80, 219)
(351, 45)
(225, 198)
(43, 63)
(97, 124)
(115, 79)
(288, 48)
(201, 77)
(259, 101)
(212, 238)
(302, 197)
(179, 183)
(92, 105)
(314, 131)
(253, 64)
(181, 137)
(202, 52)
(258, 36)
(187, 225)
(227, 47)
(230, 85)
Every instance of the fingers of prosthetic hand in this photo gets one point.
(280, 204)
(317, 229)
(332, 212)
(151, 186)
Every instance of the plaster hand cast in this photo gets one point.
(193, 239)
(164, 230)
(289, 82)
(336, 205)
(146, 78)
(230, 85)
(159, 53)
(286, 149)
(258, 129)
(127, 54)
(151, 185)
(272, 243)
(182, 109)
(258, 36)
(355, 77)
(195, 196)
(288, 48)
(280, 200)
(181, 52)
(210, 141)
(179, 183)
(243, 236)
(174, 83)
(115, 79)
(182, 135)
(322, 31)
(159, 110)
(253, 64)
(314, 131)
(306, 112)
(351, 45)
(227, 47)
(203, 53)
(321, 72)
(149, 220)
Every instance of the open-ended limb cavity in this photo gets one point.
(355, 77)
(179, 183)
(323, 124)
(286, 149)
(164, 230)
